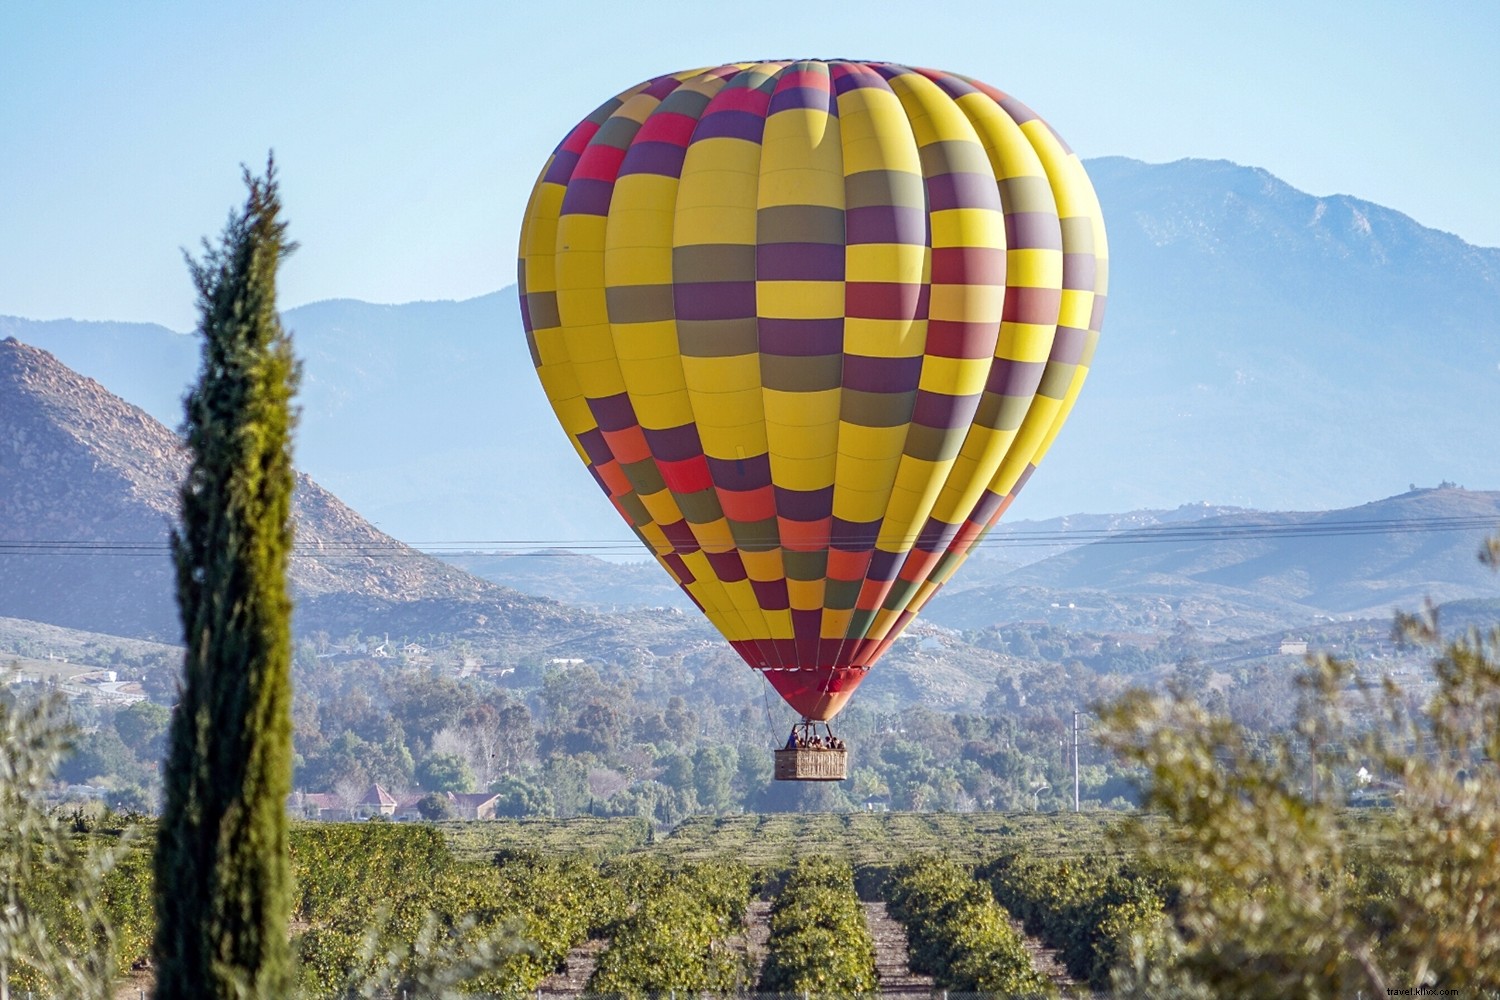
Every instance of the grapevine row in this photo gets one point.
(957, 933)
(380, 903)
(819, 941)
(676, 938)
(1087, 909)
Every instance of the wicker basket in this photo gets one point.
(812, 764)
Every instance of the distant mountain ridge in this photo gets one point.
(1264, 348)
(1267, 569)
(88, 490)
(584, 580)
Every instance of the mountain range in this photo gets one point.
(88, 486)
(88, 492)
(1264, 348)
(1252, 572)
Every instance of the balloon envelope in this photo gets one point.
(811, 325)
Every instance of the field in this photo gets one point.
(775, 840)
(43, 670)
(1001, 903)
(615, 907)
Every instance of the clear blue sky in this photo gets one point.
(409, 134)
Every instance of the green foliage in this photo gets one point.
(426, 702)
(349, 760)
(132, 800)
(127, 900)
(387, 907)
(1086, 908)
(356, 882)
(583, 836)
(223, 879)
(519, 797)
(877, 839)
(603, 739)
(70, 906)
(558, 902)
(819, 942)
(435, 806)
(957, 933)
(713, 777)
(143, 728)
(1279, 888)
(675, 940)
(445, 772)
(100, 755)
(342, 867)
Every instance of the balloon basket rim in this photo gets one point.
(802, 764)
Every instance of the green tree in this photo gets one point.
(222, 869)
(131, 800)
(56, 932)
(445, 772)
(519, 797)
(101, 754)
(424, 703)
(597, 729)
(566, 779)
(143, 728)
(713, 777)
(435, 806)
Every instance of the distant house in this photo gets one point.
(377, 801)
(463, 805)
(316, 805)
(1293, 647)
(474, 805)
(406, 805)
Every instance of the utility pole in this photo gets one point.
(1075, 760)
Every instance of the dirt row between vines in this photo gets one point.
(1045, 961)
(892, 956)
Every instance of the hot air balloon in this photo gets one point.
(811, 325)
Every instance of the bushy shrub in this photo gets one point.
(1087, 909)
(957, 933)
(819, 941)
(676, 937)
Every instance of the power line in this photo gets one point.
(1195, 532)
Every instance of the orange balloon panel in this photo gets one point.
(811, 325)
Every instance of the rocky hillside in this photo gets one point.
(88, 493)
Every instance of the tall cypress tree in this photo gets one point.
(223, 891)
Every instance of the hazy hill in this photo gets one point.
(1263, 347)
(87, 492)
(577, 578)
(426, 416)
(1267, 570)
(1278, 350)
